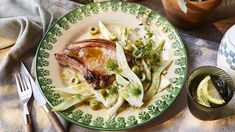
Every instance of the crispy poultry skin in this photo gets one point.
(90, 58)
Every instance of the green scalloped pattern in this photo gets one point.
(86, 119)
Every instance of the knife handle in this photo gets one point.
(28, 126)
(54, 119)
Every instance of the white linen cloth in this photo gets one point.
(24, 21)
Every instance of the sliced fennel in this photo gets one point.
(156, 81)
(75, 99)
(160, 45)
(123, 83)
(126, 72)
(153, 87)
(100, 97)
(81, 88)
(124, 37)
(165, 83)
(111, 99)
(113, 110)
(147, 70)
(121, 80)
(105, 32)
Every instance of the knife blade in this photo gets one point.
(38, 97)
(36, 93)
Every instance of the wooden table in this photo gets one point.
(202, 44)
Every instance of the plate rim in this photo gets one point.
(126, 127)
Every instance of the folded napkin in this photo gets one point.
(24, 21)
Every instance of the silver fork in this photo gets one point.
(25, 94)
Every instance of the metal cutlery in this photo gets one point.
(25, 93)
(38, 97)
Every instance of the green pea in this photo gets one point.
(94, 30)
(113, 36)
(137, 42)
(94, 104)
(131, 30)
(103, 92)
(128, 48)
(137, 53)
(143, 77)
(74, 80)
(136, 69)
(142, 68)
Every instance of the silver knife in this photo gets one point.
(42, 102)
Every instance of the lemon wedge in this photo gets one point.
(202, 93)
(207, 93)
(213, 94)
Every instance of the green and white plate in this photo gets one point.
(72, 26)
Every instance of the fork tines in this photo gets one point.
(23, 85)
